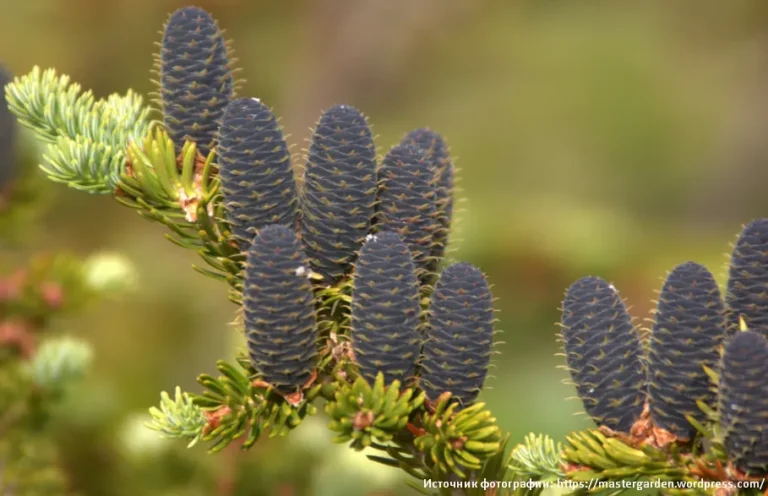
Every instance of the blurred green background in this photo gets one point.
(607, 138)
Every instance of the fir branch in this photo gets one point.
(178, 417)
(232, 407)
(51, 105)
(87, 138)
(83, 164)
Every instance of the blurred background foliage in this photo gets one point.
(607, 138)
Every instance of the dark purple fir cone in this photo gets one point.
(743, 406)
(8, 132)
(279, 310)
(406, 201)
(339, 193)
(603, 353)
(687, 335)
(196, 78)
(459, 337)
(385, 314)
(747, 288)
(257, 179)
(439, 156)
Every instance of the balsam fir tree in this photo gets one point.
(348, 305)
(339, 286)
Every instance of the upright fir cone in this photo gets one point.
(337, 201)
(7, 135)
(279, 311)
(196, 79)
(439, 156)
(406, 201)
(744, 401)
(257, 179)
(687, 335)
(385, 310)
(603, 353)
(746, 295)
(459, 339)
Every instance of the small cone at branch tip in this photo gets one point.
(196, 78)
(686, 337)
(603, 354)
(438, 154)
(744, 401)
(459, 337)
(8, 133)
(279, 311)
(339, 191)
(746, 296)
(257, 180)
(406, 201)
(385, 315)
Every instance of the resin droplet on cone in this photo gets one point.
(257, 180)
(459, 341)
(746, 295)
(339, 192)
(744, 401)
(279, 310)
(196, 81)
(406, 197)
(385, 312)
(687, 335)
(438, 155)
(603, 353)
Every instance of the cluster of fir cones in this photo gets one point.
(650, 391)
(381, 226)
